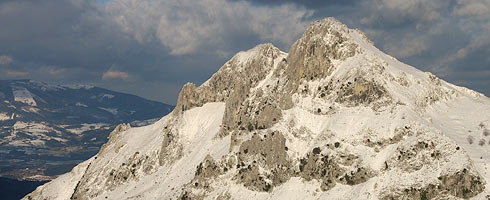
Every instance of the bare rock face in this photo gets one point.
(233, 80)
(266, 151)
(334, 118)
(206, 172)
(114, 136)
(360, 92)
(170, 150)
(232, 84)
(319, 166)
(462, 184)
(311, 56)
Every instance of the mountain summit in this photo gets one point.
(335, 118)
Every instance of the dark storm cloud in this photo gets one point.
(57, 33)
(152, 47)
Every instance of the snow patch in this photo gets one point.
(244, 56)
(80, 105)
(24, 96)
(108, 96)
(87, 127)
(4, 116)
(110, 110)
(77, 87)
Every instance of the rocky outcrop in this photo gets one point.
(462, 184)
(360, 92)
(171, 149)
(232, 84)
(266, 151)
(310, 58)
(114, 136)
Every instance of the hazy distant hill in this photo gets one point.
(47, 129)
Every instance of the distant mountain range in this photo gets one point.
(47, 129)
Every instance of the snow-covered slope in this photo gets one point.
(335, 118)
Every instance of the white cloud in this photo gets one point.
(56, 72)
(404, 28)
(112, 74)
(476, 44)
(406, 47)
(478, 9)
(12, 73)
(5, 60)
(188, 26)
(400, 11)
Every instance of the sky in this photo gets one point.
(152, 47)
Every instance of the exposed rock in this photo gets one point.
(361, 92)
(268, 152)
(325, 168)
(399, 134)
(170, 150)
(206, 171)
(462, 184)
(232, 84)
(319, 167)
(413, 157)
(114, 136)
(310, 57)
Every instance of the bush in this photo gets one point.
(481, 142)
(470, 139)
(481, 125)
(316, 150)
(486, 132)
(423, 195)
(250, 127)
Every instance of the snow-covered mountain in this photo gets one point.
(47, 129)
(335, 118)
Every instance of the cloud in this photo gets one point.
(5, 60)
(406, 47)
(16, 74)
(188, 26)
(111, 74)
(56, 72)
(476, 9)
(311, 4)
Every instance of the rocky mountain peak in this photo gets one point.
(240, 73)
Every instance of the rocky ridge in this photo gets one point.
(333, 118)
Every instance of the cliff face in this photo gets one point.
(333, 119)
